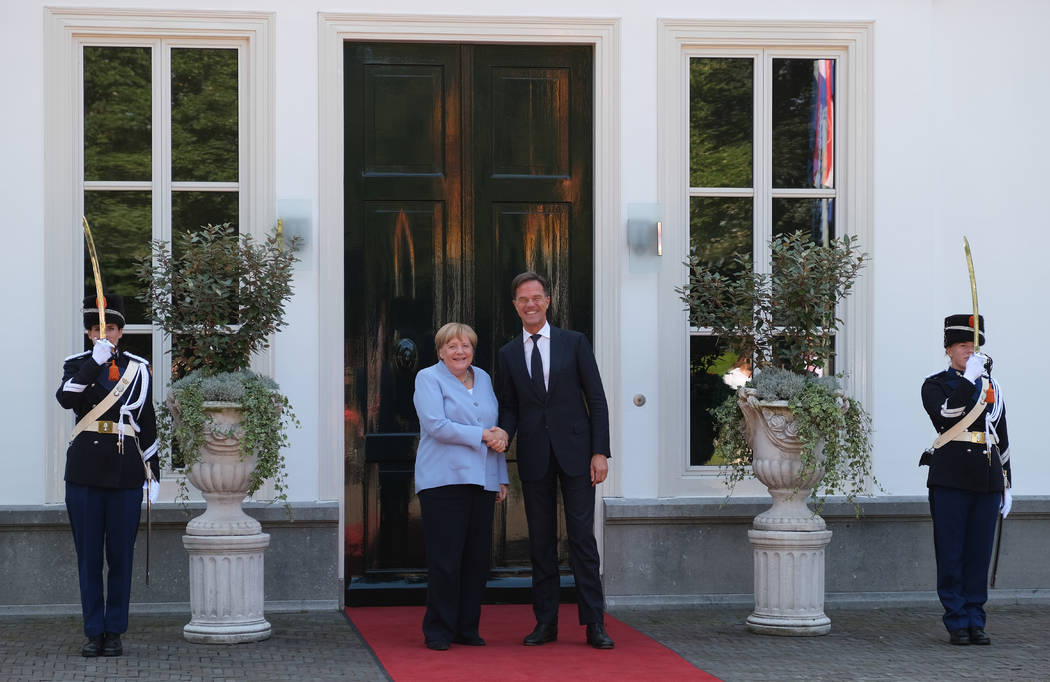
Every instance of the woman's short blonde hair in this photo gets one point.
(454, 330)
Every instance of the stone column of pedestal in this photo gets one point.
(225, 545)
(226, 588)
(789, 582)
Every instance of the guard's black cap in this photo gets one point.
(114, 310)
(959, 328)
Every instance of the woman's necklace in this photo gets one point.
(468, 378)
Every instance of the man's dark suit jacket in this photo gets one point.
(573, 420)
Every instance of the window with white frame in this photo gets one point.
(767, 133)
(161, 154)
(154, 122)
(761, 164)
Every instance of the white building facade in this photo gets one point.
(929, 98)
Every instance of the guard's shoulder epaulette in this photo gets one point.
(74, 356)
(136, 358)
(937, 375)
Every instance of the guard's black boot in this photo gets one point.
(92, 647)
(112, 647)
(978, 636)
(960, 636)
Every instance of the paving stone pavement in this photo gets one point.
(866, 644)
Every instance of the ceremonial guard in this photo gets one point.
(969, 477)
(112, 452)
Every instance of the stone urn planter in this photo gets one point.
(225, 545)
(788, 538)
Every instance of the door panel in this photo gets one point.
(465, 164)
(530, 121)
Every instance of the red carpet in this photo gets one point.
(396, 637)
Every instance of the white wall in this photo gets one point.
(960, 97)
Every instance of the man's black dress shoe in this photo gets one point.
(598, 637)
(437, 645)
(468, 640)
(112, 646)
(959, 637)
(543, 633)
(92, 647)
(978, 636)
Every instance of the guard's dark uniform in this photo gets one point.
(966, 482)
(104, 482)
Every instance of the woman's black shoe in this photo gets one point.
(437, 645)
(468, 640)
(960, 636)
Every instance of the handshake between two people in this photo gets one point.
(495, 438)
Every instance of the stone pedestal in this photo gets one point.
(789, 582)
(788, 538)
(225, 545)
(226, 588)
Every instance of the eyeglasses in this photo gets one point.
(535, 300)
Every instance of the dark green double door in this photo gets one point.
(465, 165)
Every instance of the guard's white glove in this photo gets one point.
(974, 368)
(102, 351)
(152, 490)
(1008, 501)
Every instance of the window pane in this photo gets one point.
(713, 376)
(121, 226)
(190, 210)
(721, 122)
(804, 123)
(204, 115)
(720, 228)
(814, 216)
(118, 109)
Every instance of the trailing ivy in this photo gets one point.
(267, 414)
(823, 414)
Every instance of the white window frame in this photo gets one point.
(850, 43)
(66, 32)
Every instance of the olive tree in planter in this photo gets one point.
(220, 297)
(796, 431)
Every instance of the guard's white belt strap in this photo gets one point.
(90, 420)
(963, 424)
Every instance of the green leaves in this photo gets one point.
(218, 296)
(784, 318)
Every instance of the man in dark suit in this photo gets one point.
(551, 395)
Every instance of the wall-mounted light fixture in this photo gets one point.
(644, 236)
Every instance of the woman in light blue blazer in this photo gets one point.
(461, 472)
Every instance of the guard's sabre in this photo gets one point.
(100, 300)
(149, 514)
(977, 349)
(998, 544)
(973, 294)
